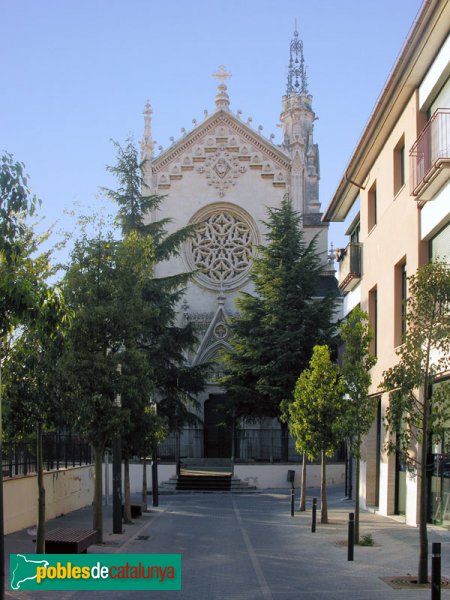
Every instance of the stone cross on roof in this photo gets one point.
(222, 99)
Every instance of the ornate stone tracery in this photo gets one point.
(223, 247)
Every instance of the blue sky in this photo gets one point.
(76, 73)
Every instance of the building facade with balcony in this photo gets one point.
(394, 201)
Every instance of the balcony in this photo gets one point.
(349, 266)
(430, 157)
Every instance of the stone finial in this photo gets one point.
(147, 143)
(222, 98)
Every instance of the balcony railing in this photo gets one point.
(350, 266)
(430, 156)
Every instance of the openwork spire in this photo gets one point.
(296, 79)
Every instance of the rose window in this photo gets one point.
(222, 248)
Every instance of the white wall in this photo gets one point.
(437, 74)
(165, 472)
(435, 214)
(65, 490)
(274, 475)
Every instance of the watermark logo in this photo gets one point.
(95, 571)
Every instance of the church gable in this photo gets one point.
(220, 150)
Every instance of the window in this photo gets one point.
(400, 291)
(373, 319)
(399, 165)
(354, 235)
(372, 207)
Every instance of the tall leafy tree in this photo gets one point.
(278, 326)
(93, 348)
(35, 401)
(22, 269)
(166, 342)
(315, 415)
(417, 408)
(359, 408)
(22, 266)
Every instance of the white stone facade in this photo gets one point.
(224, 174)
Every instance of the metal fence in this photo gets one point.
(263, 445)
(256, 444)
(59, 451)
(191, 445)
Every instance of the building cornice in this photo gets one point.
(220, 117)
(422, 44)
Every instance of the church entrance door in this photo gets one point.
(217, 428)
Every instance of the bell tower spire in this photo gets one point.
(296, 80)
(297, 118)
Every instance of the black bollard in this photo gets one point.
(436, 571)
(292, 501)
(351, 536)
(314, 515)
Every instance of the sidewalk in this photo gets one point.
(248, 547)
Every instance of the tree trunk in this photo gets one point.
(358, 468)
(40, 540)
(177, 453)
(144, 482)
(127, 494)
(303, 485)
(423, 533)
(323, 491)
(284, 442)
(97, 516)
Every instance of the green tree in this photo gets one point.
(417, 409)
(359, 408)
(175, 384)
(93, 349)
(22, 267)
(278, 326)
(34, 399)
(22, 271)
(136, 206)
(315, 415)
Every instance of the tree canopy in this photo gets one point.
(277, 327)
(419, 409)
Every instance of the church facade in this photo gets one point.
(223, 175)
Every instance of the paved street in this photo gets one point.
(248, 547)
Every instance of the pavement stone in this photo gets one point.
(248, 547)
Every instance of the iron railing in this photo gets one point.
(59, 451)
(190, 444)
(430, 150)
(255, 444)
(350, 266)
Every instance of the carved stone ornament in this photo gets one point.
(221, 169)
(222, 250)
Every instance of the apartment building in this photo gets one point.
(394, 202)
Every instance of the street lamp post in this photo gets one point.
(117, 473)
(2, 526)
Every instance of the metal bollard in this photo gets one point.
(292, 501)
(436, 571)
(314, 515)
(351, 536)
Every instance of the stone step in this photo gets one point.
(232, 484)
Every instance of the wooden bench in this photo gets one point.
(66, 540)
(136, 509)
